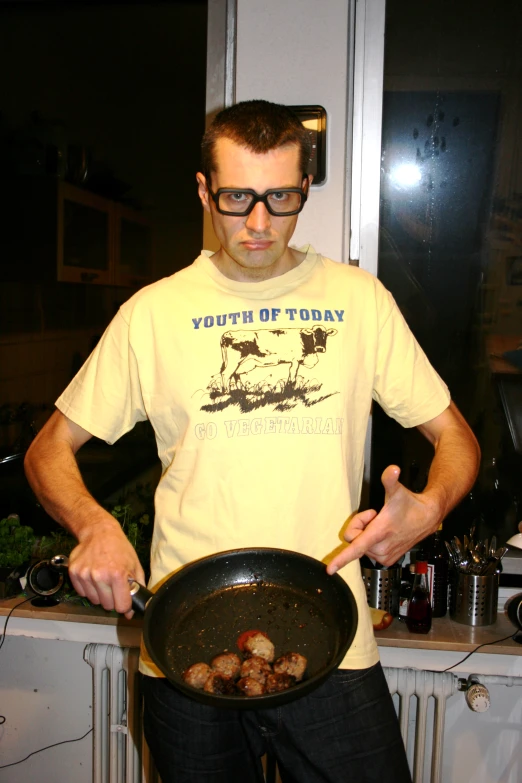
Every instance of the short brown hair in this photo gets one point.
(260, 126)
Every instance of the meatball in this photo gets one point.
(291, 663)
(259, 644)
(219, 685)
(250, 687)
(279, 682)
(197, 675)
(227, 664)
(256, 668)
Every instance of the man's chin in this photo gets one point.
(256, 257)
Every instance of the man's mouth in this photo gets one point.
(257, 244)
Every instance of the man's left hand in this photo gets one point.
(405, 519)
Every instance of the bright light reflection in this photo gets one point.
(406, 175)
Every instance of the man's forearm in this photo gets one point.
(104, 560)
(455, 464)
(54, 476)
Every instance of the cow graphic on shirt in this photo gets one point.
(244, 351)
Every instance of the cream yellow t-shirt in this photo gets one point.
(259, 395)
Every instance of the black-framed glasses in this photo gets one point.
(240, 202)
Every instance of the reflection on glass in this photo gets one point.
(451, 239)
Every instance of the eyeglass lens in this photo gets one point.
(280, 201)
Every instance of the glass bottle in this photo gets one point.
(405, 591)
(418, 619)
(438, 573)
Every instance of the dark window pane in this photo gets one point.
(451, 234)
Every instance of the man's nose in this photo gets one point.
(259, 218)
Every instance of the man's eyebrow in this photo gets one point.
(275, 187)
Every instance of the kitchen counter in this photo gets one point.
(446, 634)
(96, 625)
(44, 662)
(70, 622)
(65, 612)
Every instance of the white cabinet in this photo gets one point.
(52, 230)
(101, 241)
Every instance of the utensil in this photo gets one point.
(500, 552)
(452, 555)
(493, 563)
(490, 566)
(460, 548)
(475, 554)
(456, 550)
(464, 556)
(202, 608)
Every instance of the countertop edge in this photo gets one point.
(445, 635)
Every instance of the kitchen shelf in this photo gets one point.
(56, 231)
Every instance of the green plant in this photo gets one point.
(58, 543)
(16, 542)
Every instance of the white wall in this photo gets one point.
(45, 697)
(297, 53)
(484, 747)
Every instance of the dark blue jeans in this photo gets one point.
(344, 731)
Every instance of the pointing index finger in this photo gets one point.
(359, 546)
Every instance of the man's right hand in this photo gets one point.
(103, 561)
(101, 565)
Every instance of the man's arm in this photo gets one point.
(104, 559)
(408, 517)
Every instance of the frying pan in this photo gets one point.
(202, 609)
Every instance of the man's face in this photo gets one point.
(255, 246)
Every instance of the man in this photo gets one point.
(257, 366)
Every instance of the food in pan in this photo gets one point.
(259, 644)
(228, 664)
(292, 664)
(197, 675)
(256, 668)
(218, 684)
(244, 637)
(250, 687)
(254, 676)
(275, 683)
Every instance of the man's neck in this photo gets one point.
(230, 268)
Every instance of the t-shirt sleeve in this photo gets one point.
(406, 385)
(105, 397)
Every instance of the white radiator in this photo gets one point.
(120, 751)
(121, 754)
(422, 728)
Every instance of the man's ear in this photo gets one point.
(203, 190)
(310, 178)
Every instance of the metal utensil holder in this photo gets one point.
(474, 599)
(382, 588)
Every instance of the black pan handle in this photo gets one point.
(140, 596)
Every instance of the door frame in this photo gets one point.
(365, 51)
